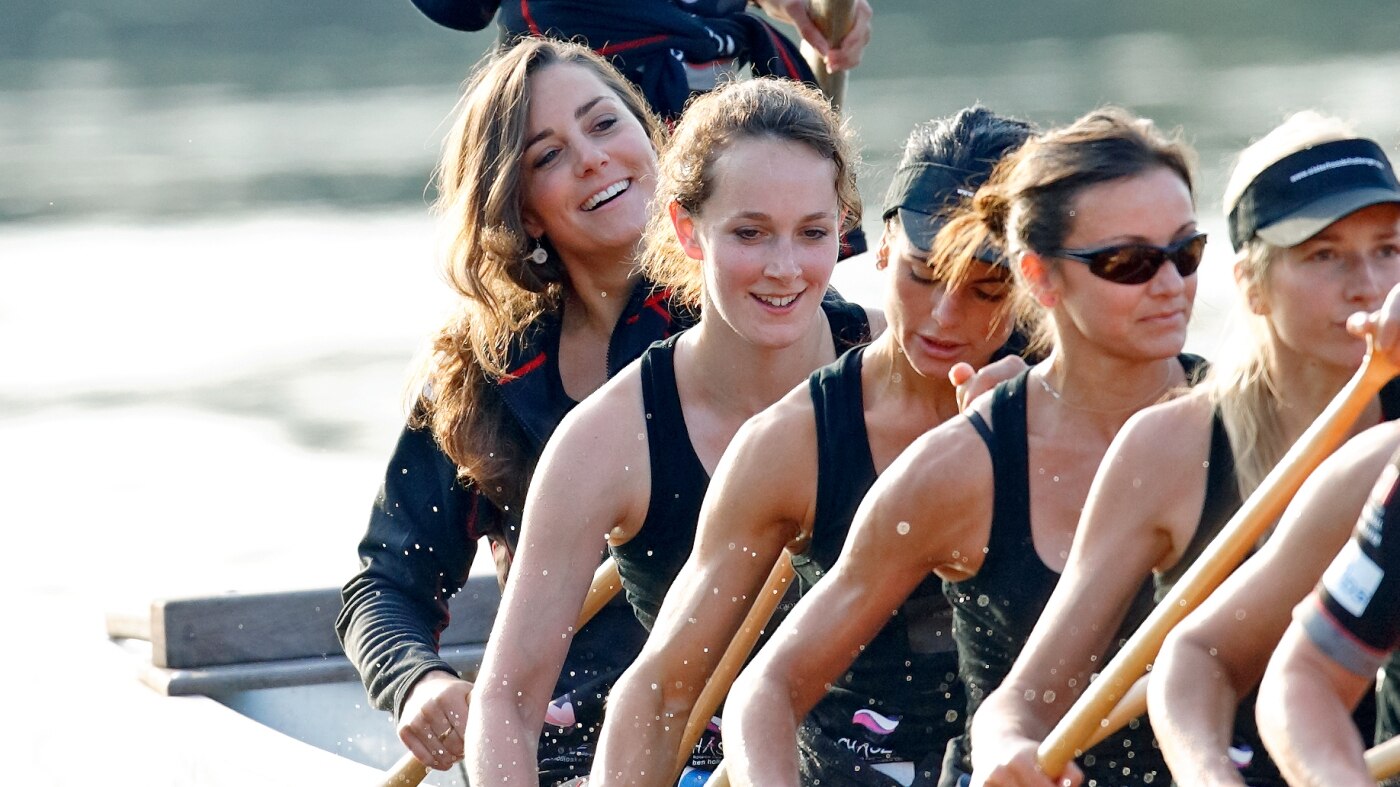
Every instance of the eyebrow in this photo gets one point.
(582, 110)
(756, 214)
(1143, 240)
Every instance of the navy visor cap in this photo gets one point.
(1299, 195)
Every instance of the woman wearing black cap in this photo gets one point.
(1313, 220)
(794, 476)
(1099, 219)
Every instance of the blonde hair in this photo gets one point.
(479, 201)
(1027, 203)
(1241, 383)
(765, 107)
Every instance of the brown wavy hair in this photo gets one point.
(766, 107)
(1027, 203)
(479, 184)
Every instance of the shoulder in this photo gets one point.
(609, 419)
(931, 508)
(1168, 432)
(1161, 457)
(946, 469)
(946, 458)
(769, 442)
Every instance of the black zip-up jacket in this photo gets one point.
(426, 521)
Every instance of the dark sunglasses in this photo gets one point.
(1137, 263)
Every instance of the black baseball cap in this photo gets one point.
(1299, 195)
(923, 192)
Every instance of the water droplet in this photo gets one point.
(902, 528)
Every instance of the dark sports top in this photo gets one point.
(426, 522)
(1222, 500)
(651, 560)
(995, 610)
(901, 699)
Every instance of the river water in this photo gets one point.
(216, 262)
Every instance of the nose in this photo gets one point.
(1368, 279)
(945, 305)
(591, 156)
(1167, 281)
(781, 263)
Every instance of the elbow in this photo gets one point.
(652, 690)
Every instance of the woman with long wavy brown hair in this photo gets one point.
(543, 192)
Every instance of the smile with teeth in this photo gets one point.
(607, 194)
(778, 301)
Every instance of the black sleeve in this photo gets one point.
(416, 553)
(1355, 618)
(459, 14)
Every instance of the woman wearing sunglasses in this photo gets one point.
(1099, 221)
(1313, 219)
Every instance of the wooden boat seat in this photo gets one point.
(217, 645)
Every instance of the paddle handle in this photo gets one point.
(1383, 761)
(834, 19)
(737, 652)
(606, 583)
(409, 772)
(1225, 552)
(734, 656)
(1133, 705)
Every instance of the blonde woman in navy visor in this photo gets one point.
(1315, 220)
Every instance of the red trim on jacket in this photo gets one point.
(612, 49)
(527, 367)
(529, 20)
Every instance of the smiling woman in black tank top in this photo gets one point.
(1107, 180)
(751, 237)
(794, 475)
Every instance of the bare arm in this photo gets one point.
(915, 519)
(762, 492)
(1217, 654)
(1132, 521)
(589, 479)
(1304, 713)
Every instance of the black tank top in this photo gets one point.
(1222, 500)
(651, 560)
(901, 699)
(995, 610)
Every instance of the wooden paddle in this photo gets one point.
(409, 772)
(1383, 760)
(735, 654)
(834, 19)
(1233, 543)
(1133, 705)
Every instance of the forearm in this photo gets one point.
(1192, 701)
(416, 552)
(503, 732)
(393, 612)
(642, 732)
(1007, 716)
(1304, 715)
(1309, 733)
(760, 729)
